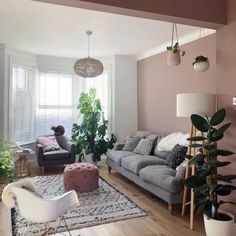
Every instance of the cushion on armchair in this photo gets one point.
(49, 143)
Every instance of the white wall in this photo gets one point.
(2, 68)
(124, 97)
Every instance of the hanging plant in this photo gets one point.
(201, 64)
(173, 51)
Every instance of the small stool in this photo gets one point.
(81, 177)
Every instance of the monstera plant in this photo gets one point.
(208, 184)
(90, 133)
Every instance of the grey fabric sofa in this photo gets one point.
(66, 155)
(148, 172)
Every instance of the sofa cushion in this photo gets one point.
(117, 156)
(55, 155)
(163, 177)
(136, 162)
(168, 142)
(49, 143)
(131, 144)
(144, 147)
(176, 156)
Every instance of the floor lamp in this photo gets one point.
(186, 105)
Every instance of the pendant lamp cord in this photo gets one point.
(174, 32)
(88, 46)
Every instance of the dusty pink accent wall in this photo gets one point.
(225, 74)
(158, 85)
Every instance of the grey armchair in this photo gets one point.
(66, 155)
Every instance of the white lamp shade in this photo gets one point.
(195, 103)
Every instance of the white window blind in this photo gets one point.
(21, 104)
(55, 102)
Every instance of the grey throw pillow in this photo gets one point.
(131, 144)
(144, 147)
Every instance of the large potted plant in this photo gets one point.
(90, 134)
(7, 168)
(208, 184)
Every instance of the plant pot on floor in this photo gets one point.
(220, 227)
(201, 66)
(173, 58)
(89, 159)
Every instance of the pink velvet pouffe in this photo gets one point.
(81, 177)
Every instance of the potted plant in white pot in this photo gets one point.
(90, 134)
(7, 168)
(207, 183)
(174, 55)
(201, 64)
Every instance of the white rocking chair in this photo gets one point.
(36, 209)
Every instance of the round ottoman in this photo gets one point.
(81, 177)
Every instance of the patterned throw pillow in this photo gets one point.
(49, 143)
(176, 156)
(131, 144)
(144, 147)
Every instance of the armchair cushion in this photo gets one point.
(58, 154)
(49, 143)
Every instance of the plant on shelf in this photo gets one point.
(201, 64)
(90, 134)
(208, 184)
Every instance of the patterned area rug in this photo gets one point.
(106, 204)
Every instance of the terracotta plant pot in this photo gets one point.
(201, 66)
(220, 227)
(173, 58)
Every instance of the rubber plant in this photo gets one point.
(207, 183)
(90, 134)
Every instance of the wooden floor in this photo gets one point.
(158, 222)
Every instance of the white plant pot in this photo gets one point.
(218, 227)
(201, 66)
(173, 59)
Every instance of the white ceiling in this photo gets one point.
(60, 31)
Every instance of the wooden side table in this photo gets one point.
(22, 164)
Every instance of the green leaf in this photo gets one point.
(221, 152)
(194, 181)
(225, 178)
(199, 159)
(224, 190)
(224, 127)
(195, 145)
(216, 163)
(218, 117)
(196, 138)
(199, 122)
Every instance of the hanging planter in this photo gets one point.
(201, 64)
(173, 51)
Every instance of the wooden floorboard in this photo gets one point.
(158, 222)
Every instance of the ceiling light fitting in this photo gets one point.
(88, 67)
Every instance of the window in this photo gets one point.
(55, 102)
(21, 104)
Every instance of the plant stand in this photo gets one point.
(22, 164)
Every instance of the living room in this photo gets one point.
(138, 90)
